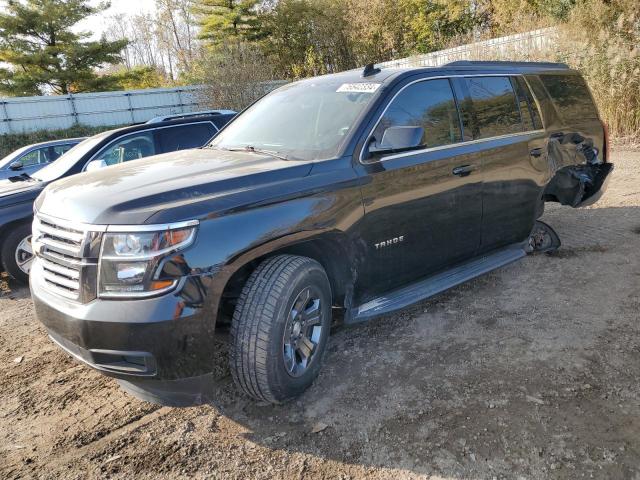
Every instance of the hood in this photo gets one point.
(18, 192)
(181, 181)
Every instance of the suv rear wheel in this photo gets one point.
(280, 328)
(17, 254)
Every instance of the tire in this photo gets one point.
(10, 256)
(265, 363)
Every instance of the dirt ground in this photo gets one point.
(529, 372)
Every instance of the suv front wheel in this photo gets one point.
(280, 328)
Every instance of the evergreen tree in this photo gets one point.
(44, 54)
(222, 20)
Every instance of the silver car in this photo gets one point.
(32, 158)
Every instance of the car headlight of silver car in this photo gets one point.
(130, 261)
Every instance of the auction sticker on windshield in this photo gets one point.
(358, 87)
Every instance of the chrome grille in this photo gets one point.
(67, 256)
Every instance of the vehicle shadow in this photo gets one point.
(11, 289)
(505, 374)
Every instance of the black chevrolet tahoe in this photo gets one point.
(365, 191)
(17, 194)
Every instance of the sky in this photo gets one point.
(96, 24)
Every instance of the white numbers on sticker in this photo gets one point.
(358, 87)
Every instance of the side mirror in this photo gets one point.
(399, 138)
(95, 165)
(17, 165)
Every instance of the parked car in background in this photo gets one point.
(32, 158)
(366, 191)
(105, 149)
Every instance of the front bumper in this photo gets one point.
(167, 338)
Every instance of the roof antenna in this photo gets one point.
(370, 69)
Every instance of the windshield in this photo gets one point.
(67, 161)
(12, 156)
(308, 120)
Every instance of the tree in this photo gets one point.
(388, 29)
(306, 37)
(221, 20)
(45, 55)
(175, 18)
(139, 77)
(236, 74)
(163, 40)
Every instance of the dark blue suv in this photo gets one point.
(162, 135)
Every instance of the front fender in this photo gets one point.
(226, 244)
(17, 213)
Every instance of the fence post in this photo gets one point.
(74, 112)
(128, 95)
(180, 100)
(6, 116)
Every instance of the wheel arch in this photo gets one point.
(6, 228)
(332, 250)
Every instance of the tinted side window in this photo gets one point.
(528, 107)
(571, 97)
(494, 103)
(182, 137)
(34, 157)
(129, 147)
(546, 107)
(429, 104)
(222, 120)
(59, 150)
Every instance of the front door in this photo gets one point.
(423, 208)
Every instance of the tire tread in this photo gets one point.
(254, 320)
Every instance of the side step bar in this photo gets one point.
(428, 287)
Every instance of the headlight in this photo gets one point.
(129, 261)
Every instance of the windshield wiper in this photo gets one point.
(252, 149)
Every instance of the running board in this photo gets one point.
(428, 287)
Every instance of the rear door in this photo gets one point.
(510, 153)
(423, 207)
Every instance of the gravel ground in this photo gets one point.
(529, 372)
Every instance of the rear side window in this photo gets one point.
(571, 97)
(544, 102)
(60, 150)
(528, 107)
(495, 107)
(182, 137)
(429, 104)
(222, 120)
(127, 148)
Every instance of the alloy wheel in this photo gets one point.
(24, 255)
(302, 332)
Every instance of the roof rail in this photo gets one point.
(180, 116)
(496, 63)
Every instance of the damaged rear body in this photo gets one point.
(576, 150)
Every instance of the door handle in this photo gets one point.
(463, 170)
(536, 152)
